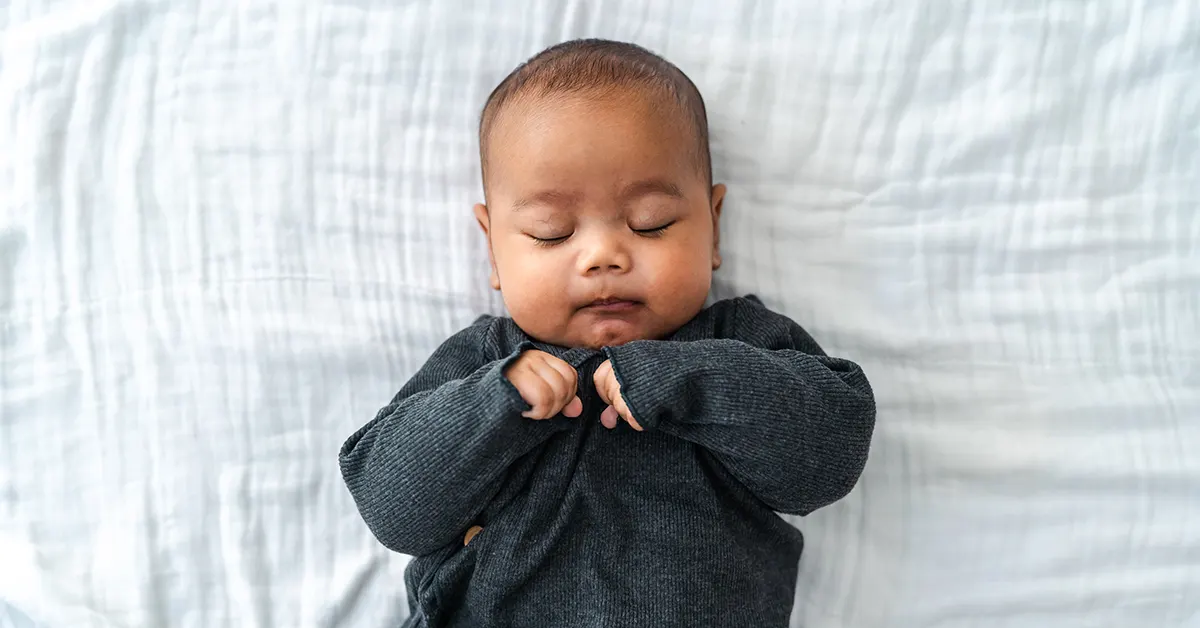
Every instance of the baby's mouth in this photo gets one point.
(612, 305)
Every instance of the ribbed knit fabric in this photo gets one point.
(583, 526)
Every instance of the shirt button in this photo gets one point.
(471, 532)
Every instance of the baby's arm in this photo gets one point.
(433, 458)
(793, 427)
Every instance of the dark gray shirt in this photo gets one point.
(744, 416)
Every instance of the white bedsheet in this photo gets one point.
(230, 230)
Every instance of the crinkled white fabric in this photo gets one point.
(229, 231)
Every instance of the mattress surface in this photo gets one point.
(229, 232)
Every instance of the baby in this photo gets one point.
(615, 453)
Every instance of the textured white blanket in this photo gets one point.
(230, 230)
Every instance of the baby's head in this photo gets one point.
(601, 216)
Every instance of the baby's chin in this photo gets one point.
(600, 344)
(591, 337)
(592, 332)
(609, 334)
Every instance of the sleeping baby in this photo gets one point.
(614, 453)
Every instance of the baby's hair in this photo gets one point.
(600, 65)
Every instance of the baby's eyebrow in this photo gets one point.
(553, 198)
(647, 187)
(560, 199)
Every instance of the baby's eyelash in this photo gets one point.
(547, 242)
(655, 231)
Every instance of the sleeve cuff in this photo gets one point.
(511, 394)
(630, 367)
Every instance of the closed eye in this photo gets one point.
(654, 231)
(547, 242)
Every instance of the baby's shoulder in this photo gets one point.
(749, 320)
(730, 316)
(736, 303)
(494, 337)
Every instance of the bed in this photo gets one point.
(229, 231)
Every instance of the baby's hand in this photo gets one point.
(546, 383)
(610, 391)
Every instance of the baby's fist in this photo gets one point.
(610, 392)
(546, 383)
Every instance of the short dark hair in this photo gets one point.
(584, 65)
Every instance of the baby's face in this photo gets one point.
(601, 226)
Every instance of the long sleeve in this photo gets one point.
(793, 427)
(432, 459)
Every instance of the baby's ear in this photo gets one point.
(718, 199)
(481, 216)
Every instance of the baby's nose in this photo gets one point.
(606, 262)
(598, 268)
(605, 255)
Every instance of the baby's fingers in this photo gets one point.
(565, 381)
(623, 410)
(618, 412)
(557, 395)
(540, 395)
(603, 379)
(609, 417)
(570, 377)
(553, 390)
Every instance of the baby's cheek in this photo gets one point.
(527, 272)
(685, 264)
(682, 279)
(536, 297)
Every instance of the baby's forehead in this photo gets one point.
(655, 111)
(656, 105)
